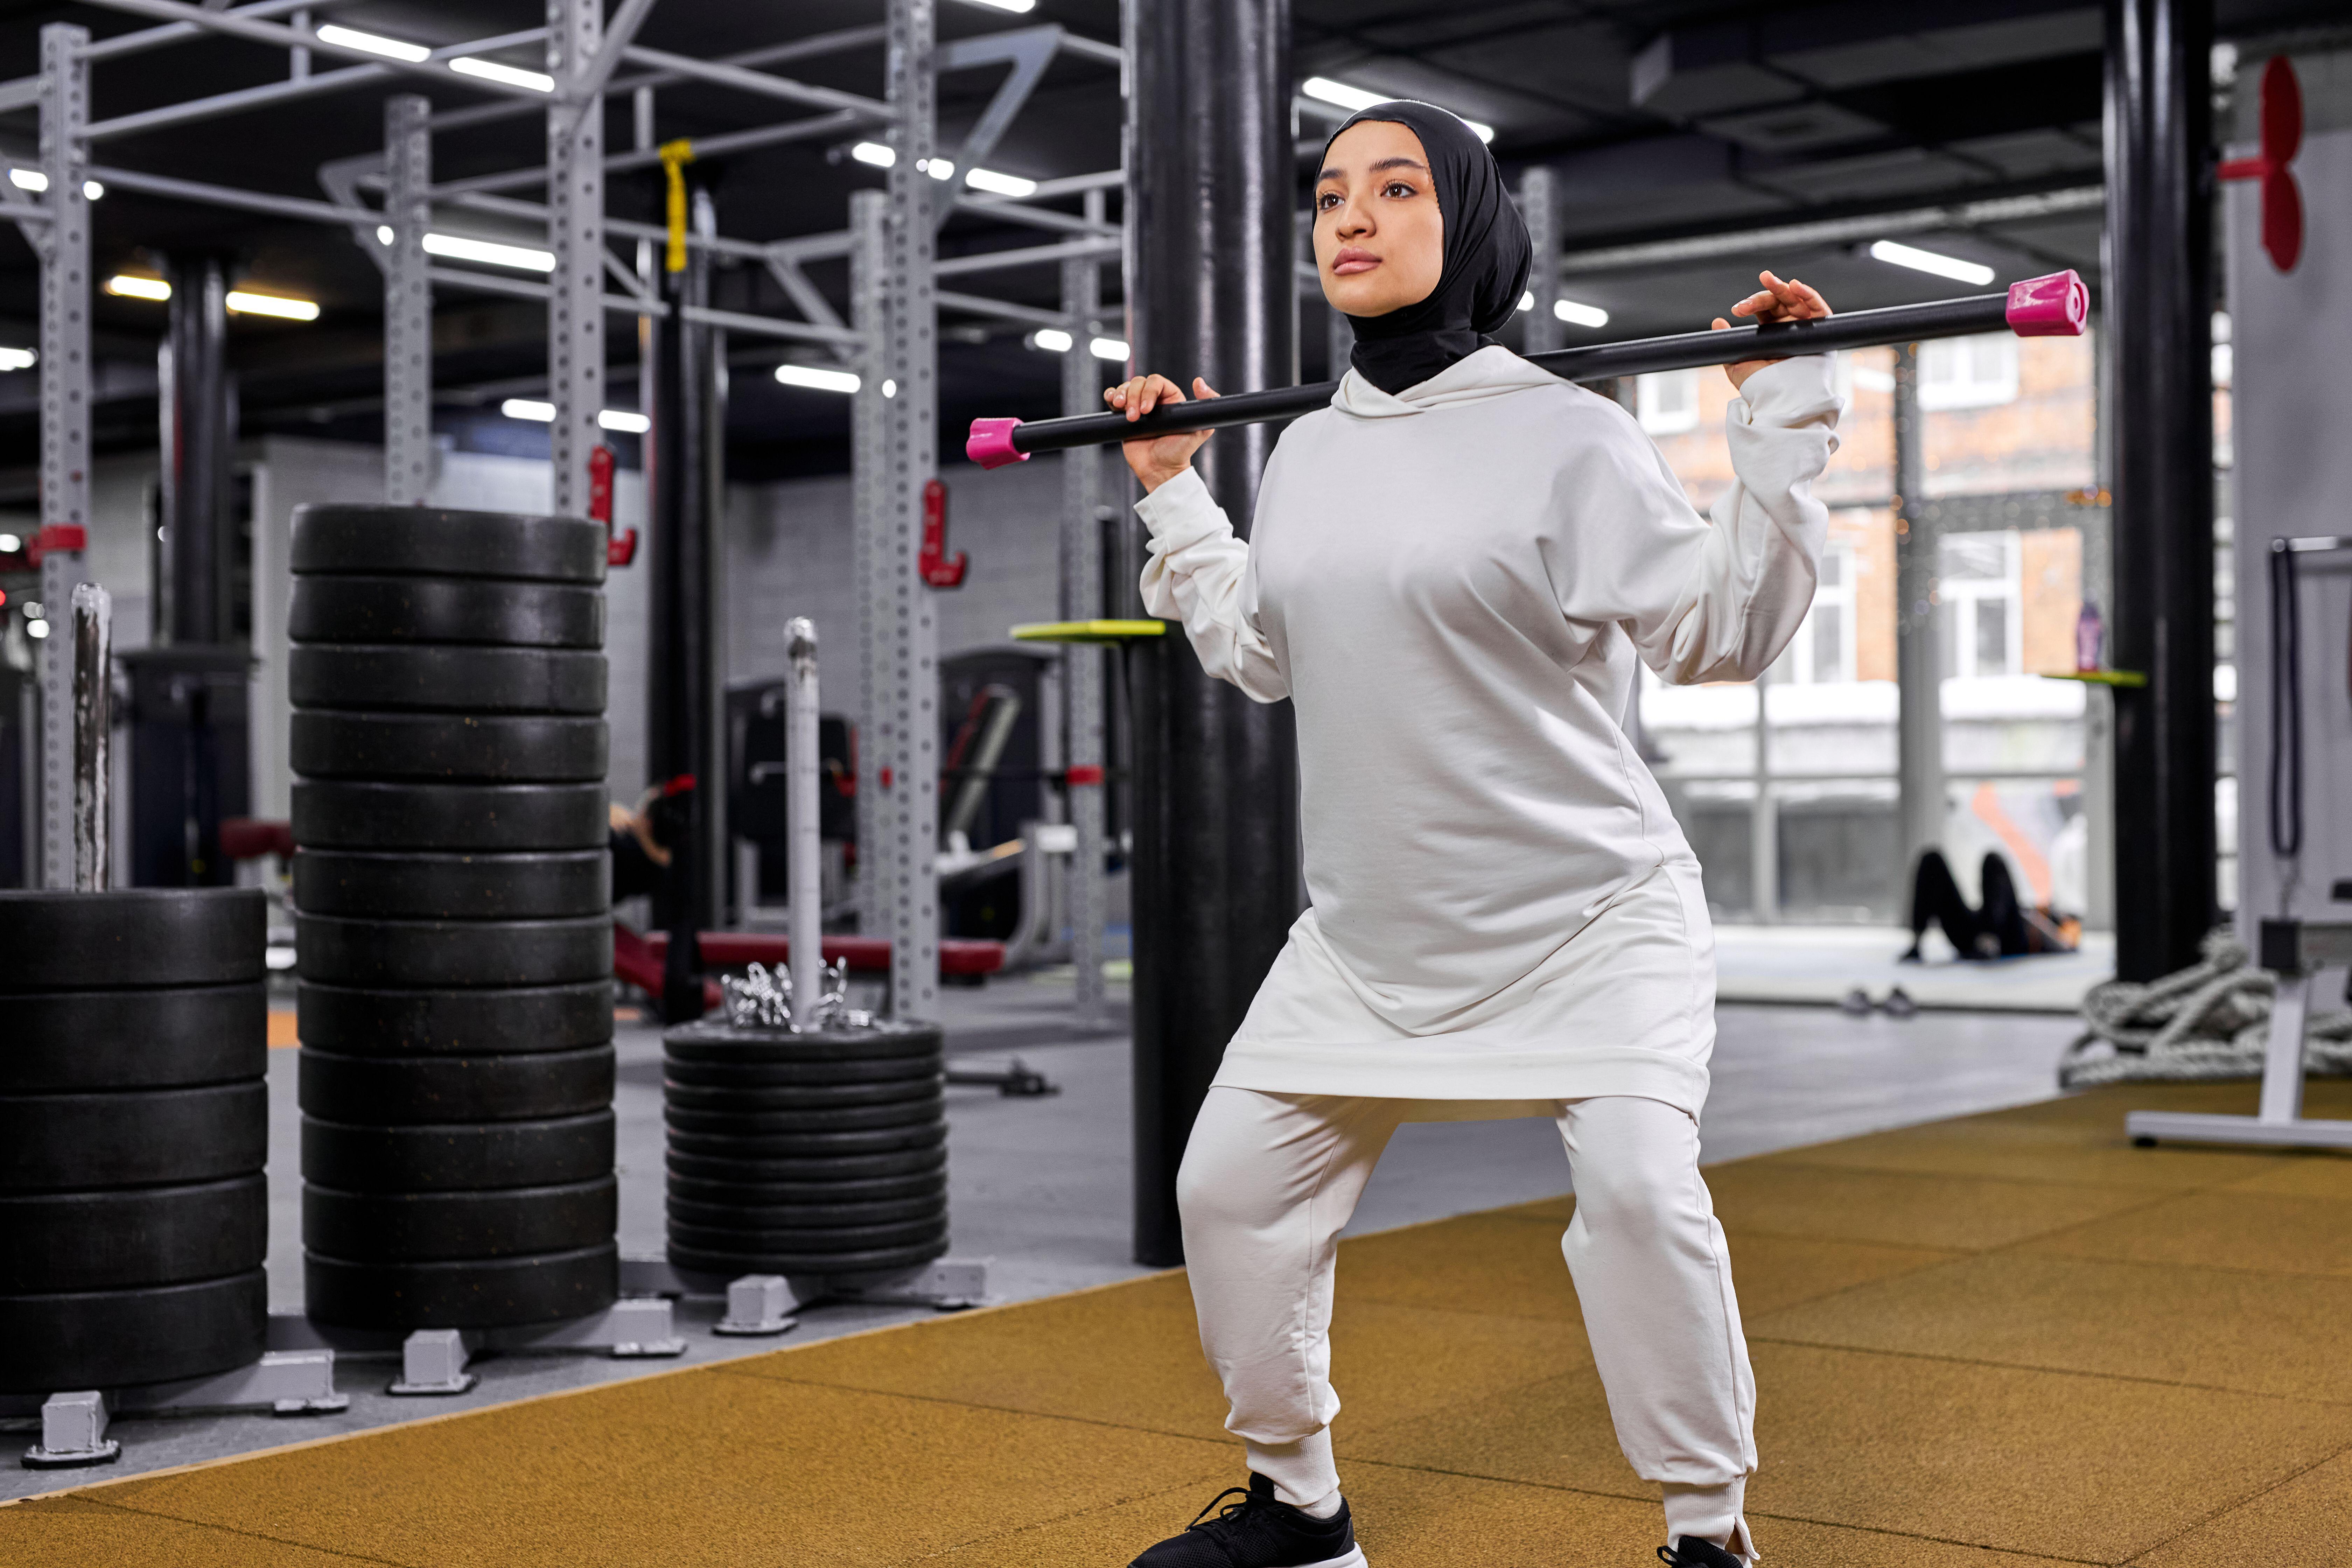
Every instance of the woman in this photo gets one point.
(1452, 570)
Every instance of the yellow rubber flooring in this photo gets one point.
(2001, 1341)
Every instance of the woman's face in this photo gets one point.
(1380, 240)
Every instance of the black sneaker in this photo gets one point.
(1258, 1533)
(1695, 1551)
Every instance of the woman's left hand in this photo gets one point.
(1776, 301)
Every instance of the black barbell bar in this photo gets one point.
(2056, 306)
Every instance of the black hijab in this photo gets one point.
(1487, 256)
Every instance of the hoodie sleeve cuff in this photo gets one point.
(1791, 392)
(1182, 512)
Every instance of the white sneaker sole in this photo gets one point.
(1355, 1559)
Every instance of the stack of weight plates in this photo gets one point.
(454, 930)
(816, 1154)
(134, 1122)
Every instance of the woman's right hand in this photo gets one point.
(1158, 458)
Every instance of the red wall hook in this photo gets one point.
(2281, 140)
(938, 569)
(620, 549)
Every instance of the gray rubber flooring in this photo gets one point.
(1041, 1187)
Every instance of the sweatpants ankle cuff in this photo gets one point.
(1711, 1514)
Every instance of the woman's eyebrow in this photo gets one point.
(1399, 163)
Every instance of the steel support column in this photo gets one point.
(194, 406)
(65, 418)
(680, 740)
(1211, 292)
(1918, 654)
(910, 697)
(2158, 305)
(575, 232)
(869, 456)
(1082, 663)
(1539, 204)
(407, 302)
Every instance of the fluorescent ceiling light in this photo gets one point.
(18, 359)
(383, 235)
(880, 154)
(817, 380)
(91, 190)
(627, 421)
(391, 49)
(529, 409)
(29, 179)
(1052, 340)
(138, 287)
(1354, 98)
(1930, 261)
(938, 168)
(9, 545)
(1107, 348)
(459, 248)
(889, 389)
(1577, 315)
(1001, 185)
(249, 304)
(37, 630)
(513, 76)
(1014, 5)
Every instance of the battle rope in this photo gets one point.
(2207, 1021)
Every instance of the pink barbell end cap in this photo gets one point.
(2057, 306)
(990, 442)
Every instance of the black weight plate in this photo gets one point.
(393, 1091)
(468, 1293)
(800, 1241)
(434, 610)
(436, 953)
(734, 1264)
(65, 1040)
(505, 748)
(822, 1119)
(809, 1145)
(60, 940)
(440, 1022)
(804, 1217)
(801, 1096)
(713, 1041)
(739, 1169)
(376, 885)
(878, 1074)
(468, 679)
(458, 1158)
(136, 1235)
(113, 1338)
(344, 814)
(413, 1227)
(930, 1185)
(431, 542)
(132, 1138)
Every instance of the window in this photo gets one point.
(1822, 649)
(1968, 373)
(1667, 401)
(1983, 601)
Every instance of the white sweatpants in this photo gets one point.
(1269, 1180)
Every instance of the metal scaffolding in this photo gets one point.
(386, 201)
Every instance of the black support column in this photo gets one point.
(681, 736)
(2158, 320)
(198, 442)
(1209, 294)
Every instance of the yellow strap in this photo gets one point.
(675, 156)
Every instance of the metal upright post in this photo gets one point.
(65, 421)
(1212, 292)
(575, 232)
(1918, 655)
(1081, 600)
(1540, 205)
(93, 636)
(2158, 305)
(869, 456)
(802, 769)
(407, 302)
(910, 358)
(198, 448)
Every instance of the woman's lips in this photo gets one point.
(1350, 261)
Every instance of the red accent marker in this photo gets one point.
(937, 569)
(2282, 199)
(1084, 775)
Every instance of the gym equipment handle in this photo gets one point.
(2054, 306)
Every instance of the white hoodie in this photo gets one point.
(1452, 585)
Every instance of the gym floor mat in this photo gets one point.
(2001, 1341)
